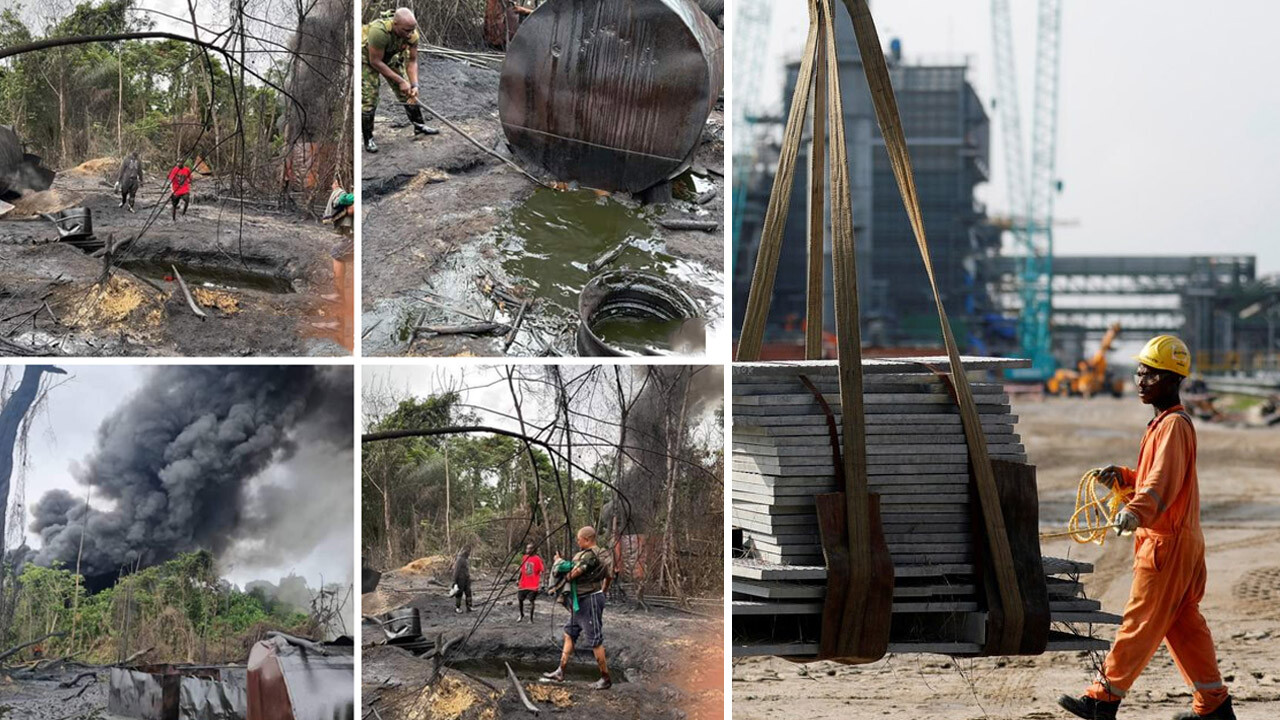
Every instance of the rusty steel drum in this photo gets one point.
(612, 94)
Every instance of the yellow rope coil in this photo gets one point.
(1095, 512)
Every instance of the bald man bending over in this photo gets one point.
(588, 576)
(391, 52)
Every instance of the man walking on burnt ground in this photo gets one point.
(129, 179)
(461, 579)
(584, 582)
(391, 52)
(180, 182)
(1168, 554)
(530, 580)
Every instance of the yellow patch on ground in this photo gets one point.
(555, 694)
(427, 565)
(31, 204)
(426, 177)
(447, 700)
(96, 166)
(220, 299)
(380, 601)
(103, 307)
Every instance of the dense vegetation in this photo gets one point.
(181, 609)
(496, 501)
(169, 99)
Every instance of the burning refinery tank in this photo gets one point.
(612, 94)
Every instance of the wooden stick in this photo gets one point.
(190, 300)
(484, 149)
(685, 224)
(136, 655)
(454, 310)
(477, 329)
(515, 326)
(515, 682)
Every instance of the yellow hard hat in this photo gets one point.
(1166, 352)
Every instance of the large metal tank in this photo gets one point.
(612, 94)
(19, 171)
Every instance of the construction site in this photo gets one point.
(177, 542)
(479, 480)
(930, 424)
(526, 208)
(171, 180)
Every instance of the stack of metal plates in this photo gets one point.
(917, 461)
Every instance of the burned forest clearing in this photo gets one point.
(164, 180)
(473, 477)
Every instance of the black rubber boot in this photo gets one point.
(366, 129)
(1088, 708)
(419, 124)
(1223, 712)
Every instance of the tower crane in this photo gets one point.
(1031, 187)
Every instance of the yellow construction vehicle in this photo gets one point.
(1090, 376)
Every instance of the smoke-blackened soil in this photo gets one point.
(39, 695)
(435, 208)
(260, 277)
(666, 663)
(1240, 512)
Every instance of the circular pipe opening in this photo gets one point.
(623, 312)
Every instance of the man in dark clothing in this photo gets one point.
(129, 179)
(461, 580)
(588, 576)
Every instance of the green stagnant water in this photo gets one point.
(638, 335)
(550, 240)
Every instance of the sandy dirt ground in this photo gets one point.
(665, 663)
(261, 280)
(1239, 471)
(437, 211)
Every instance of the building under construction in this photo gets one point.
(948, 132)
(1218, 304)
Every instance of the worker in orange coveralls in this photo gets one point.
(1168, 552)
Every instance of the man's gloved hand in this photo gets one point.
(1109, 475)
(1126, 522)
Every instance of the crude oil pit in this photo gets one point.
(543, 249)
(222, 277)
(581, 669)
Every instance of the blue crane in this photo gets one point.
(1031, 188)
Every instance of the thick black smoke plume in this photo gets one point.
(655, 412)
(179, 457)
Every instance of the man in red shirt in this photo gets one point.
(180, 180)
(530, 580)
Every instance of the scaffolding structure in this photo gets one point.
(948, 132)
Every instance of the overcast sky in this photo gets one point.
(1169, 126)
(65, 434)
(484, 389)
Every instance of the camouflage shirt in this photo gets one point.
(378, 34)
(596, 565)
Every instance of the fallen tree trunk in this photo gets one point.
(19, 648)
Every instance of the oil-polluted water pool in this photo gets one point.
(543, 250)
